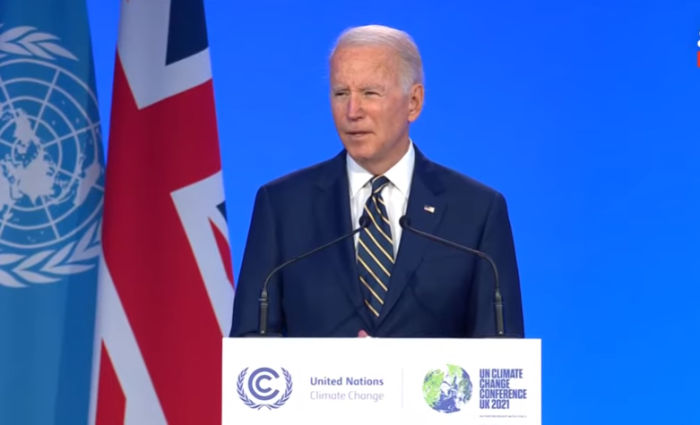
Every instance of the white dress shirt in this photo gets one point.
(395, 194)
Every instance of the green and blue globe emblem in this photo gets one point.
(447, 390)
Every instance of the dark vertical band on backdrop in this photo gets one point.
(191, 35)
(222, 209)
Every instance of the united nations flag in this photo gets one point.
(51, 193)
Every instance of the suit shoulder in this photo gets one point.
(472, 200)
(455, 181)
(305, 177)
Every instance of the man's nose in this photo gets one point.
(354, 107)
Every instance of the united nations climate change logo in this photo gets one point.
(51, 167)
(265, 386)
(447, 390)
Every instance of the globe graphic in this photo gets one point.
(447, 390)
(50, 171)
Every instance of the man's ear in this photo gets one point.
(415, 102)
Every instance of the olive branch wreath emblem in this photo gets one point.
(45, 266)
(26, 41)
(276, 405)
(61, 262)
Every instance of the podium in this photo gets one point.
(381, 381)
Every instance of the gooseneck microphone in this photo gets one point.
(405, 223)
(364, 222)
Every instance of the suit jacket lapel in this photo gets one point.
(425, 192)
(333, 221)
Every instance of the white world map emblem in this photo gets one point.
(51, 162)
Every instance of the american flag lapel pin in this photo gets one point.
(429, 208)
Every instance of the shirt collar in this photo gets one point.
(399, 175)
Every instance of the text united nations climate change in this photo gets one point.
(355, 394)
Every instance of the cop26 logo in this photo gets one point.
(264, 385)
(51, 166)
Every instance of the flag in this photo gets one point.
(51, 200)
(165, 294)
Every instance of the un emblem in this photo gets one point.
(51, 172)
(266, 387)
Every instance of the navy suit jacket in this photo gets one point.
(435, 291)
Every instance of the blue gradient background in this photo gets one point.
(586, 115)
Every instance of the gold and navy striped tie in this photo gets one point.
(375, 250)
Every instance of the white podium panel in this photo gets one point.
(381, 381)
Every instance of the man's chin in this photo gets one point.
(361, 154)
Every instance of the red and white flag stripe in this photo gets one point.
(166, 285)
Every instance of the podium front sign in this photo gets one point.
(381, 381)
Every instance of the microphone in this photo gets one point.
(364, 222)
(405, 223)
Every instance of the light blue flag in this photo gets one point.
(51, 192)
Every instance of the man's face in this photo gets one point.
(370, 109)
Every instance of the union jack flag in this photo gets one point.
(166, 285)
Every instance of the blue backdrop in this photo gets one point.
(584, 114)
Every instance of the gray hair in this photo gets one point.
(411, 66)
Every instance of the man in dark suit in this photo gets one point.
(386, 282)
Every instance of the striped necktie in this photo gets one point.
(375, 250)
